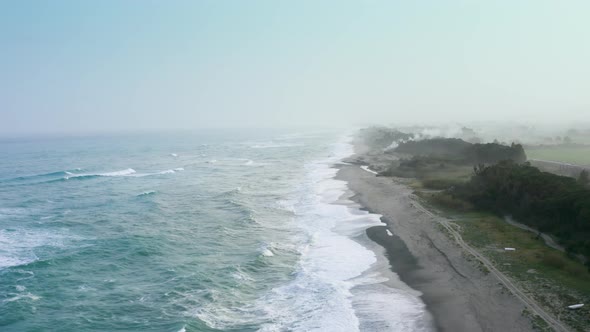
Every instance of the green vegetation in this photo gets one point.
(551, 277)
(583, 178)
(553, 204)
(476, 198)
(578, 155)
(432, 173)
(379, 138)
(548, 275)
(443, 163)
(447, 148)
(458, 151)
(448, 201)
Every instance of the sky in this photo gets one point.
(88, 66)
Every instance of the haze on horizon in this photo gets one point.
(71, 66)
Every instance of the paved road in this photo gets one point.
(529, 302)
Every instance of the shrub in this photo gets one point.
(447, 200)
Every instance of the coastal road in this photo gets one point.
(529, 302)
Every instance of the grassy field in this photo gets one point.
(571, 155)
(549, 276)
(440, 179)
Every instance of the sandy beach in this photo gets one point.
(459, 295)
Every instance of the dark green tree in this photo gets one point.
(583, 178)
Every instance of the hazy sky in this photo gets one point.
(116, 65)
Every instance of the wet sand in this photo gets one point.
(459, 296)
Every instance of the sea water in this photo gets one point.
(193, 231)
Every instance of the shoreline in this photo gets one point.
(457, 294)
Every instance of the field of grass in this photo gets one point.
(572, 155)
(440, 179)
(552, 278)
(548, 275)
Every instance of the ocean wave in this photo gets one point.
(266, 250)
(14, 212)
(43, 175)
(241, 275)
(20, 247)
(332, 264)
(124, 172)
(17, 297)
(168, 171)
(128, 172)
(147, 193)
(230, 193)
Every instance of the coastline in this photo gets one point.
(458, 295)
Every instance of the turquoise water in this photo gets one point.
(209, 231)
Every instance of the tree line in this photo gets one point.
(456, 149)
(550, 203)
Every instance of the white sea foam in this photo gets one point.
(267, 253)
(266, 250)
(332, 266)
(129, 172)
(13, 212)
(124, 172)
(367, 169)
(173, 155)
(29, 296)
(389, 233)
(241, 275)
(20, 246)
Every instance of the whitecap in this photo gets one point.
(30, 296)
(367, 169)
(19, 247)
(146, 193)
(124, 172)
(266, 250)
(267, 253)
(332, 264)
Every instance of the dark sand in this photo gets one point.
(459, 296)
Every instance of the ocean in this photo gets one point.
(229, 230)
